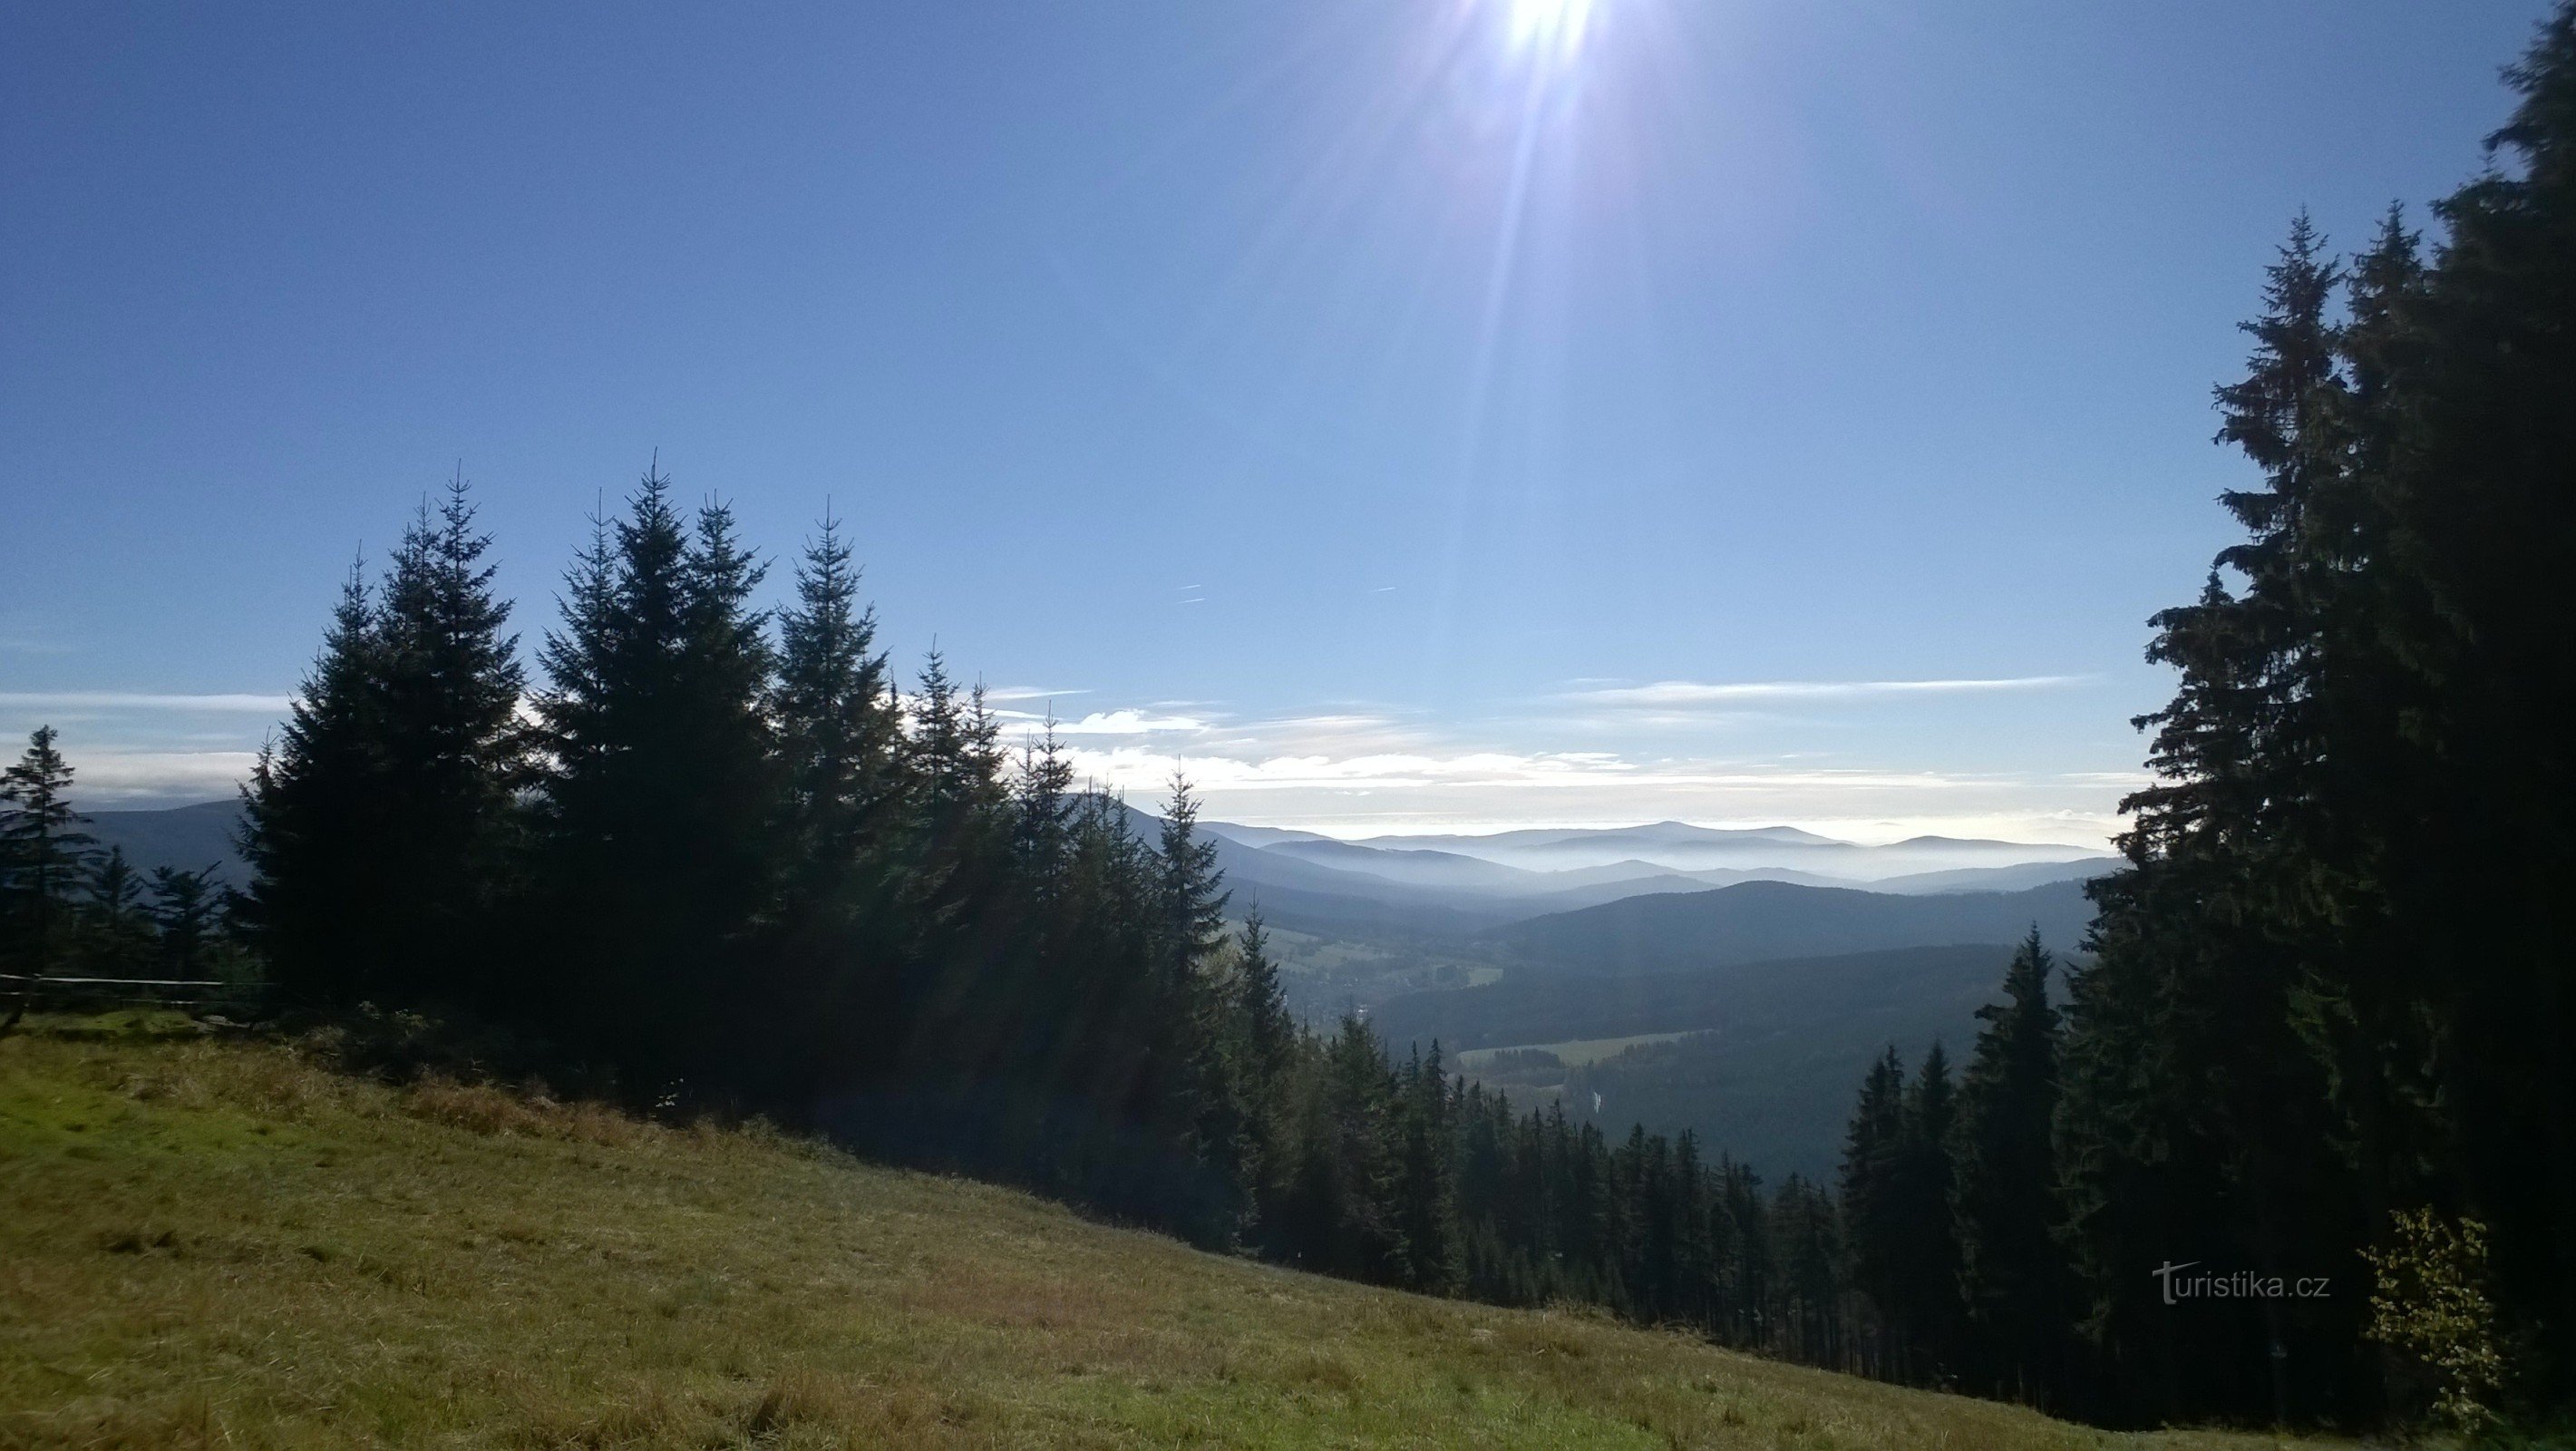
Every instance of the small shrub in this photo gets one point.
(2431, 1303)
(482, 1108)
(166, 1083)
(474, 1107)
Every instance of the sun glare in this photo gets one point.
(1549, 29)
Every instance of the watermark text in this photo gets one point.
(2180, 1284)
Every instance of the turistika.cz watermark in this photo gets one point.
(2235, 1285)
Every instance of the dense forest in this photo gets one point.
(2319, 1040)
(2324, 1040)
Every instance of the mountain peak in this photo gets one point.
(1685, 831)
(1920, 843)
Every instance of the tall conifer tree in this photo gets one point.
(453, 756)
(42, 852)
(1925, 1259)
(315, 830)
(837, 722)
(2483, 521)
(2010, 1276)
(661, 792)
(1873, 1205)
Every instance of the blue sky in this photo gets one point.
(1405, 414)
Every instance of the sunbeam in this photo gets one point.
(1551, 30)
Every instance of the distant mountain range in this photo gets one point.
(1424, 886)
(1443, 886)
(1681, 847)
(1752, 921)
(183, 838)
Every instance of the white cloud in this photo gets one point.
(108, 778)
(1127, 723)
(1120, 722)
(140, 700)
(1127, 766)
(1358, 774)
(1669, 694)
(1355, 768)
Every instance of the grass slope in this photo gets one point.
(207, 1242)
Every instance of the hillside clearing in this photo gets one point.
(210, 1242)
(1573, 1052)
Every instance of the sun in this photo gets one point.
(1549, 29)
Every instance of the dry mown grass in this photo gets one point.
(207, 1243)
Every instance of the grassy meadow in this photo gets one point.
(1573, 1053)
(225, 1243)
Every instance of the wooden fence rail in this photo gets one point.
(164, 992)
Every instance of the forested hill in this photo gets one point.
(182, 838)
(1861, 1001)
(1752, 921)
(1767, 1053)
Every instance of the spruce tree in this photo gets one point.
(115, 897)
(453, 757)
(1042, 810)
(2233, 933)
(1186, 1013)
(1427, 1177)
(185, 906)
(1192, 890)
(957, 843)
(314, 819)
(1261, 1008)
(114, 887)
(660, 794)
(1260, 1056)
(42, 852)
(1123, 1053)
(838, 728)
(2483, 523)
(1925, 1256)
(837, 959)
(1352, 1172)
(2003, 1190)
(1873, 1205)
(1806, 1249)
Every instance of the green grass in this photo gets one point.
(1574, 1053)
(224, 1243)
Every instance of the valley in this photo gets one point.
(1683, 977)
(1735, 1002)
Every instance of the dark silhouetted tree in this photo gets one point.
(451, 752)
(661, 792)
(186, 907)
(42, 853)
(315, 829)
(2011, 1277)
